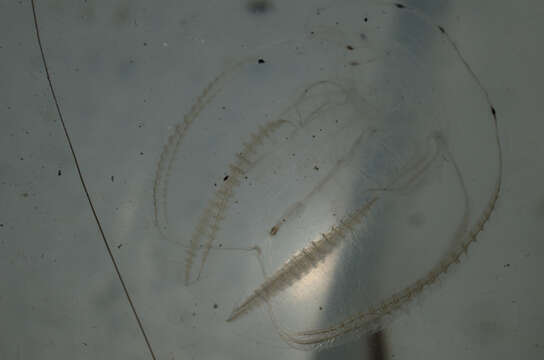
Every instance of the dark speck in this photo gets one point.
(112, 178)
(220, 245)
(84, 344)
(442, 30)
(261, 61)
(316, 168)
(354, 63)
(366, 19)
(259, 6)
(214, 184)
(507, 265)
(215, 306)
(145, 44)
(1, 225)
(59, 173)
(141, 152)
(119, 246)
(321, 308)
(349, 47)
(226, 178)
(400, 6)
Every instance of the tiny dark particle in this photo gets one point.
(215, 306)
(311, 32)
(226, 178)
(259, 6)
(442, 30)
(366, 19)
(274, 230)
(112, 178)
(119, 246)
(316, 168)
(354, 63)
(349, 47)
(59, 173)
(261, 61)
(321, 308)
(507, 265)
(84, 344)
(400, 6)
(25, 194)
(214, 184)
(313, 136)
(1, 225)
(141, 152)
(493, 112)
(220, 245)
(145, 44)
(245, 177)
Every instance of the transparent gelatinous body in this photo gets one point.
(329, 186)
